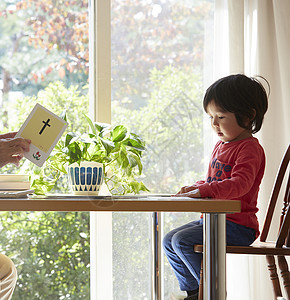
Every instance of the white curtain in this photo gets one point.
(253, 37)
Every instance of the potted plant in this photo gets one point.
(113, 152)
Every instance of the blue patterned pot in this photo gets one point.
(86, 178)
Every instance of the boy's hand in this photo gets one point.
(189, 191)
(186, 189)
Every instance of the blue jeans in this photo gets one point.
(186, 264)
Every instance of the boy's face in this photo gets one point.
(225, 124)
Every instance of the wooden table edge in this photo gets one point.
(173, 204)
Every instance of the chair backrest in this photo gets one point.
(283, 236)
(285, 215)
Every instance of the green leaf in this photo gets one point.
(135, 186)
(63, 115)
(41, 187)
(119, 133)
(135, 143)
(101, 127)
(87, 140)
(138, 186)
(134, 161)
(58, 165)
(108, 145)
(137, 138)
(123, 159)
(75, 153)
(99, 157)
(91, 124)
(142, 187)
(69, 137)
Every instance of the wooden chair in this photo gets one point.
(280, 247)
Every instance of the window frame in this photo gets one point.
(101, 275)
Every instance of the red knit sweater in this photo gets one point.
(235, 172)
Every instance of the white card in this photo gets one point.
(44, 129)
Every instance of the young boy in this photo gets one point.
(236, 106)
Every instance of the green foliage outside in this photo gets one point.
(171, 126)
(51, 252)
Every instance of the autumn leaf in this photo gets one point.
(70, 67)
(49, 69)
(61, 72)
(62, 61)
(35, 77)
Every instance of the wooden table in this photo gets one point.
(214, 223)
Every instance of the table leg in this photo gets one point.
(156, 256)
(214, 261)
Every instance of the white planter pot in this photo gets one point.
(86, 178)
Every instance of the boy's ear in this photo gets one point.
(248, 120)
(253, 114)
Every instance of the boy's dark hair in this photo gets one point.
(244, 96)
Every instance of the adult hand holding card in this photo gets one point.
(44, 129)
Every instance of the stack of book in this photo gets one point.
(14, 182)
